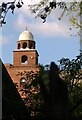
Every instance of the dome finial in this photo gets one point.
(26, 28)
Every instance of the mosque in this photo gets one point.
(25, 59)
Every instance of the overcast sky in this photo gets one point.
(53, 40)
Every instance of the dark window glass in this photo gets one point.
(18, 45)
(24, 45)
(31, 46)
(24, 59)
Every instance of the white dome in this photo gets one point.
(26, 35)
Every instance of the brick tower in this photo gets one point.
(25, 58)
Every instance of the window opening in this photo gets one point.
(24, 45)
(24, 59)
(18, 45)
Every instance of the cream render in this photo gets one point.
(26, 35)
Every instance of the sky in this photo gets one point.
(53, 40)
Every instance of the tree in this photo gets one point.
(5, 7)
(37, 88)
(70, 69)
(71, 9)
(32, 96)
(71, 72)
(44, 8)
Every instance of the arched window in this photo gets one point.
(22, 82)
(31, 46)
(24, 45)
(24, 59)
(18, 45)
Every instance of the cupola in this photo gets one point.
(25, 41)
(25, 54)
(26, 35)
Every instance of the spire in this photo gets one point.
(26, 28)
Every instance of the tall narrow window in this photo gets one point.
(18, 45)
(31, 46)
(24, 59)
(24, 45)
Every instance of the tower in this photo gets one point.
(25, 58)
(26, 53)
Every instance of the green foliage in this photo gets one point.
(71, 72)
(32, 96)
(71, 9)
(6, 6)
(42, 10)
